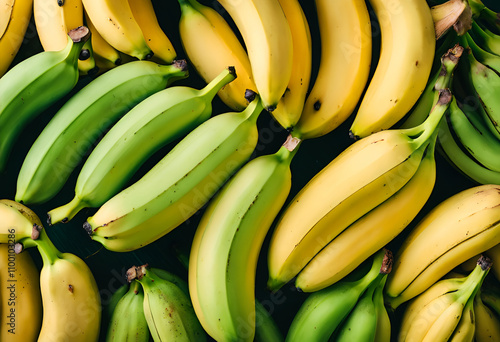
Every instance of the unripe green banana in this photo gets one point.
(82, 119)
(266, 329)
(383, 330)
(128, 322)
(168, 310)
(324, 310)
(361, 323)
(109, 308)
(158, 120)
(33, 85)
(179, 184)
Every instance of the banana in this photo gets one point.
(290, 106)
(18, 224)
(384, 326)
(437, 319)
(211, 45)
(487, 322)
(361, 323)
(483, 56)
(372, 231)
(20, 297)
(268, 40)
(323, 311)
(364, 175)
(53, 20)
(70, 297)
(474, 135)
(156, 38)
(466, 328)
(154, 122)
(82, 119)
(485, 38)
(179, 184)
(116, 23)
(266, 329)
(110, 305)
(407, 53)
(237, 221)
(29, 88)
(462, 161)
(346, 52)
(128, 322)
(14, 20)
(106, 57)
(460, 227)
(168, 310)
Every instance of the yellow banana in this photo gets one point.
(268, 39)
(346, 52)
(14, 19)
(20, 298)
(407, 52)
(464, 225)
(487, 323)
(211, 46)
(156, 38)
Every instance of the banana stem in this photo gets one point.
(254, 108)
(225, 77)
(47, 249)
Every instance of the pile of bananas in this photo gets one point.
(143, 128)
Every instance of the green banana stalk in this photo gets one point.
(325, 310)
(222, 279)
(33, 85)
(179, 184)
(168, 310)
(82, 119)
(128, 322)
(361, 323)
(158, 120)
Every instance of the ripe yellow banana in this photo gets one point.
(346, 52)
(268, 39)
(406, 57)
(464, 225)
(156, 38)
(20, 297)
(487, 322)
(14, 19)
(116, 23)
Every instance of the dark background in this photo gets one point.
(109, 267)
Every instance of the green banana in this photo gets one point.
(156, 121)
(266, 329)
(179, 184)
(361, 323)
(237, 220)
(383, 330)
(474, 136)
(33, 85)
(110, 306)
(483, 56)
(485, 38)
(128, 322)
(325, 310)
(173, 278)
(82, 119)
(169, 313)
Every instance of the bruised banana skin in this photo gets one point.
(82, 119)
(179, 184)
(29, 88)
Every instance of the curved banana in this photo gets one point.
(266, 329)
(237, 221)
(53, 20)
(128, 322)
(268, 40)
(211, 45)
(483, 56)
(154, 122)
(29, 88)
(70, 297)
(168, 310)
(346, 52)
(156, 38)
(487, 322)
(406, 58)
(364, 175)
(20, 297)
(290, 107)
(466, 327)
(372, 231)
(179, 184)
(18, 225)
(384, 326)
(485, 38)
(14, 20)
(460, 227)
(323, 311)
(116, 23)
(82, 119)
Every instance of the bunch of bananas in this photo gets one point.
(149, 151)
